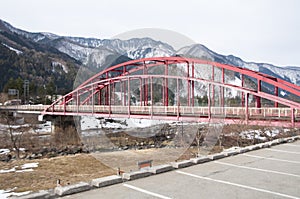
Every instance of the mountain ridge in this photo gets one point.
(98, 54)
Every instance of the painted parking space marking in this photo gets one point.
(274, 159)
(257, 169)
(293, 145)
(145, 191)
(238, 185)
(283, 151)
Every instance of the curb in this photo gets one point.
(160, 169)
(114, 179)
(71, 189)
(136, 175)
(106, 181)
(181, 164)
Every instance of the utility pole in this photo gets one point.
(26, 91)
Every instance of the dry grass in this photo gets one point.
(69, 169)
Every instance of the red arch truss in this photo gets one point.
(184, 89)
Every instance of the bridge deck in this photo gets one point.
(266, 115)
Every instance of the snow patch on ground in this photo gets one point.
(231, 149)
(4, 151)
(9, 193)
(55, 64)
(88, 122)
(259, 134)
(8, 170)
(28, 167)
(44, 128)
(13, 49)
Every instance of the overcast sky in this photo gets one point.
(254, 30)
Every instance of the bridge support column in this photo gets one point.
(258, 99)
(178, 100)
(243, 94)
(247, 107)
(209, 102)
(293, 117)
(151, 90)
(276, 94)
(188, 85)
(99, 97)
(129, 96)
(222, 88)
(141, 91)
(166, 93)
(193, 84)
(213, 87)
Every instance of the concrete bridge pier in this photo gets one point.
(62, 122)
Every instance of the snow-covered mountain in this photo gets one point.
(291, 74)
(100, 53)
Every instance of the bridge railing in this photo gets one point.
(220, 112)
(240, 112)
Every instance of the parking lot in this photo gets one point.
(266, 173)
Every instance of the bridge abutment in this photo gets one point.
(60, 122)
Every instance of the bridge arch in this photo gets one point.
(109, 93)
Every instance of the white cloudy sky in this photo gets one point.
(255, 30)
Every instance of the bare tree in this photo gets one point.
(13, 132)
(200, 135)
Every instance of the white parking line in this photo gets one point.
(283, 151)
(145, 191)
(275, 159)
(257, 169)
(294, 145)
(238, 185)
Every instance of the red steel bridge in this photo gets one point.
(183, 89)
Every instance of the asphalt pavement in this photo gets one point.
(266, 173)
